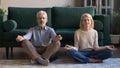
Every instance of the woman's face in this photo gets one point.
(86, 21)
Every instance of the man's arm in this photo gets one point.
(54, 36)
(27, 36)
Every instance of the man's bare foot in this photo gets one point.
(95, 60)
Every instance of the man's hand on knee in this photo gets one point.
(19, 38)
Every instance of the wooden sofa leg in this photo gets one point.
(7, 52)
(11, 52)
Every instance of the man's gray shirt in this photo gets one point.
(40, 37)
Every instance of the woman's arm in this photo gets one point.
(110, 47)
(68, 47)
(96, 46)
(76, 41)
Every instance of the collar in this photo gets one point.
(46, 27)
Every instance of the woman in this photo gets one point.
(86, 43)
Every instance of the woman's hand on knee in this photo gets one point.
(68, 47)
(111, 47)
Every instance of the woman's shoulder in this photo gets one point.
(78, 30)
(94, 30)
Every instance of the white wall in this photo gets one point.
(35, 3)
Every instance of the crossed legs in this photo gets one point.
(32, 52)
(90, 56)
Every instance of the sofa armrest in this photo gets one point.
(105, 19)
(9, 25)
(2, 19)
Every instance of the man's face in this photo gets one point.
(41, 20)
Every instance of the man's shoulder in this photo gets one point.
(49, 28)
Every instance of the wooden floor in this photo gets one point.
(18, 53)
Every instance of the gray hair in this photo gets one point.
(41, 12)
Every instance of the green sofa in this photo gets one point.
(63, 19)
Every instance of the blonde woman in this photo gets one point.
(86, 48)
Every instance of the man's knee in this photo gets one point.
(25, 42)
(57, 44)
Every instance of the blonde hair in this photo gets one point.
(81, 20)
(41, 12)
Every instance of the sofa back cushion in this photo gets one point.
(98, 25)
(64, 17)
(26, 17)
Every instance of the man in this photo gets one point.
(41, 41)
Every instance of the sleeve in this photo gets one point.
(76, 39)
(28, 35)
(96, 40)
(53, 34)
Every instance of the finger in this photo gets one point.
(59, 35)
(67, 48)
(113, 48)
(66, 45)
(18, 36)
(16, 39)
(111, 45)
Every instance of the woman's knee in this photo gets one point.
(109, 53)
(72, 51)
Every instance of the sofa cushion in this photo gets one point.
(11, 36)
(67, 34)
(100, 38)
(64, 17)
(26, 17)
(9, 25)
(100, 42)
(98, 25)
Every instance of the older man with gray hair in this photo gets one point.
(41, 41)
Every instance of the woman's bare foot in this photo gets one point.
(95, 60)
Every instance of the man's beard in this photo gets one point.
(41, 24)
